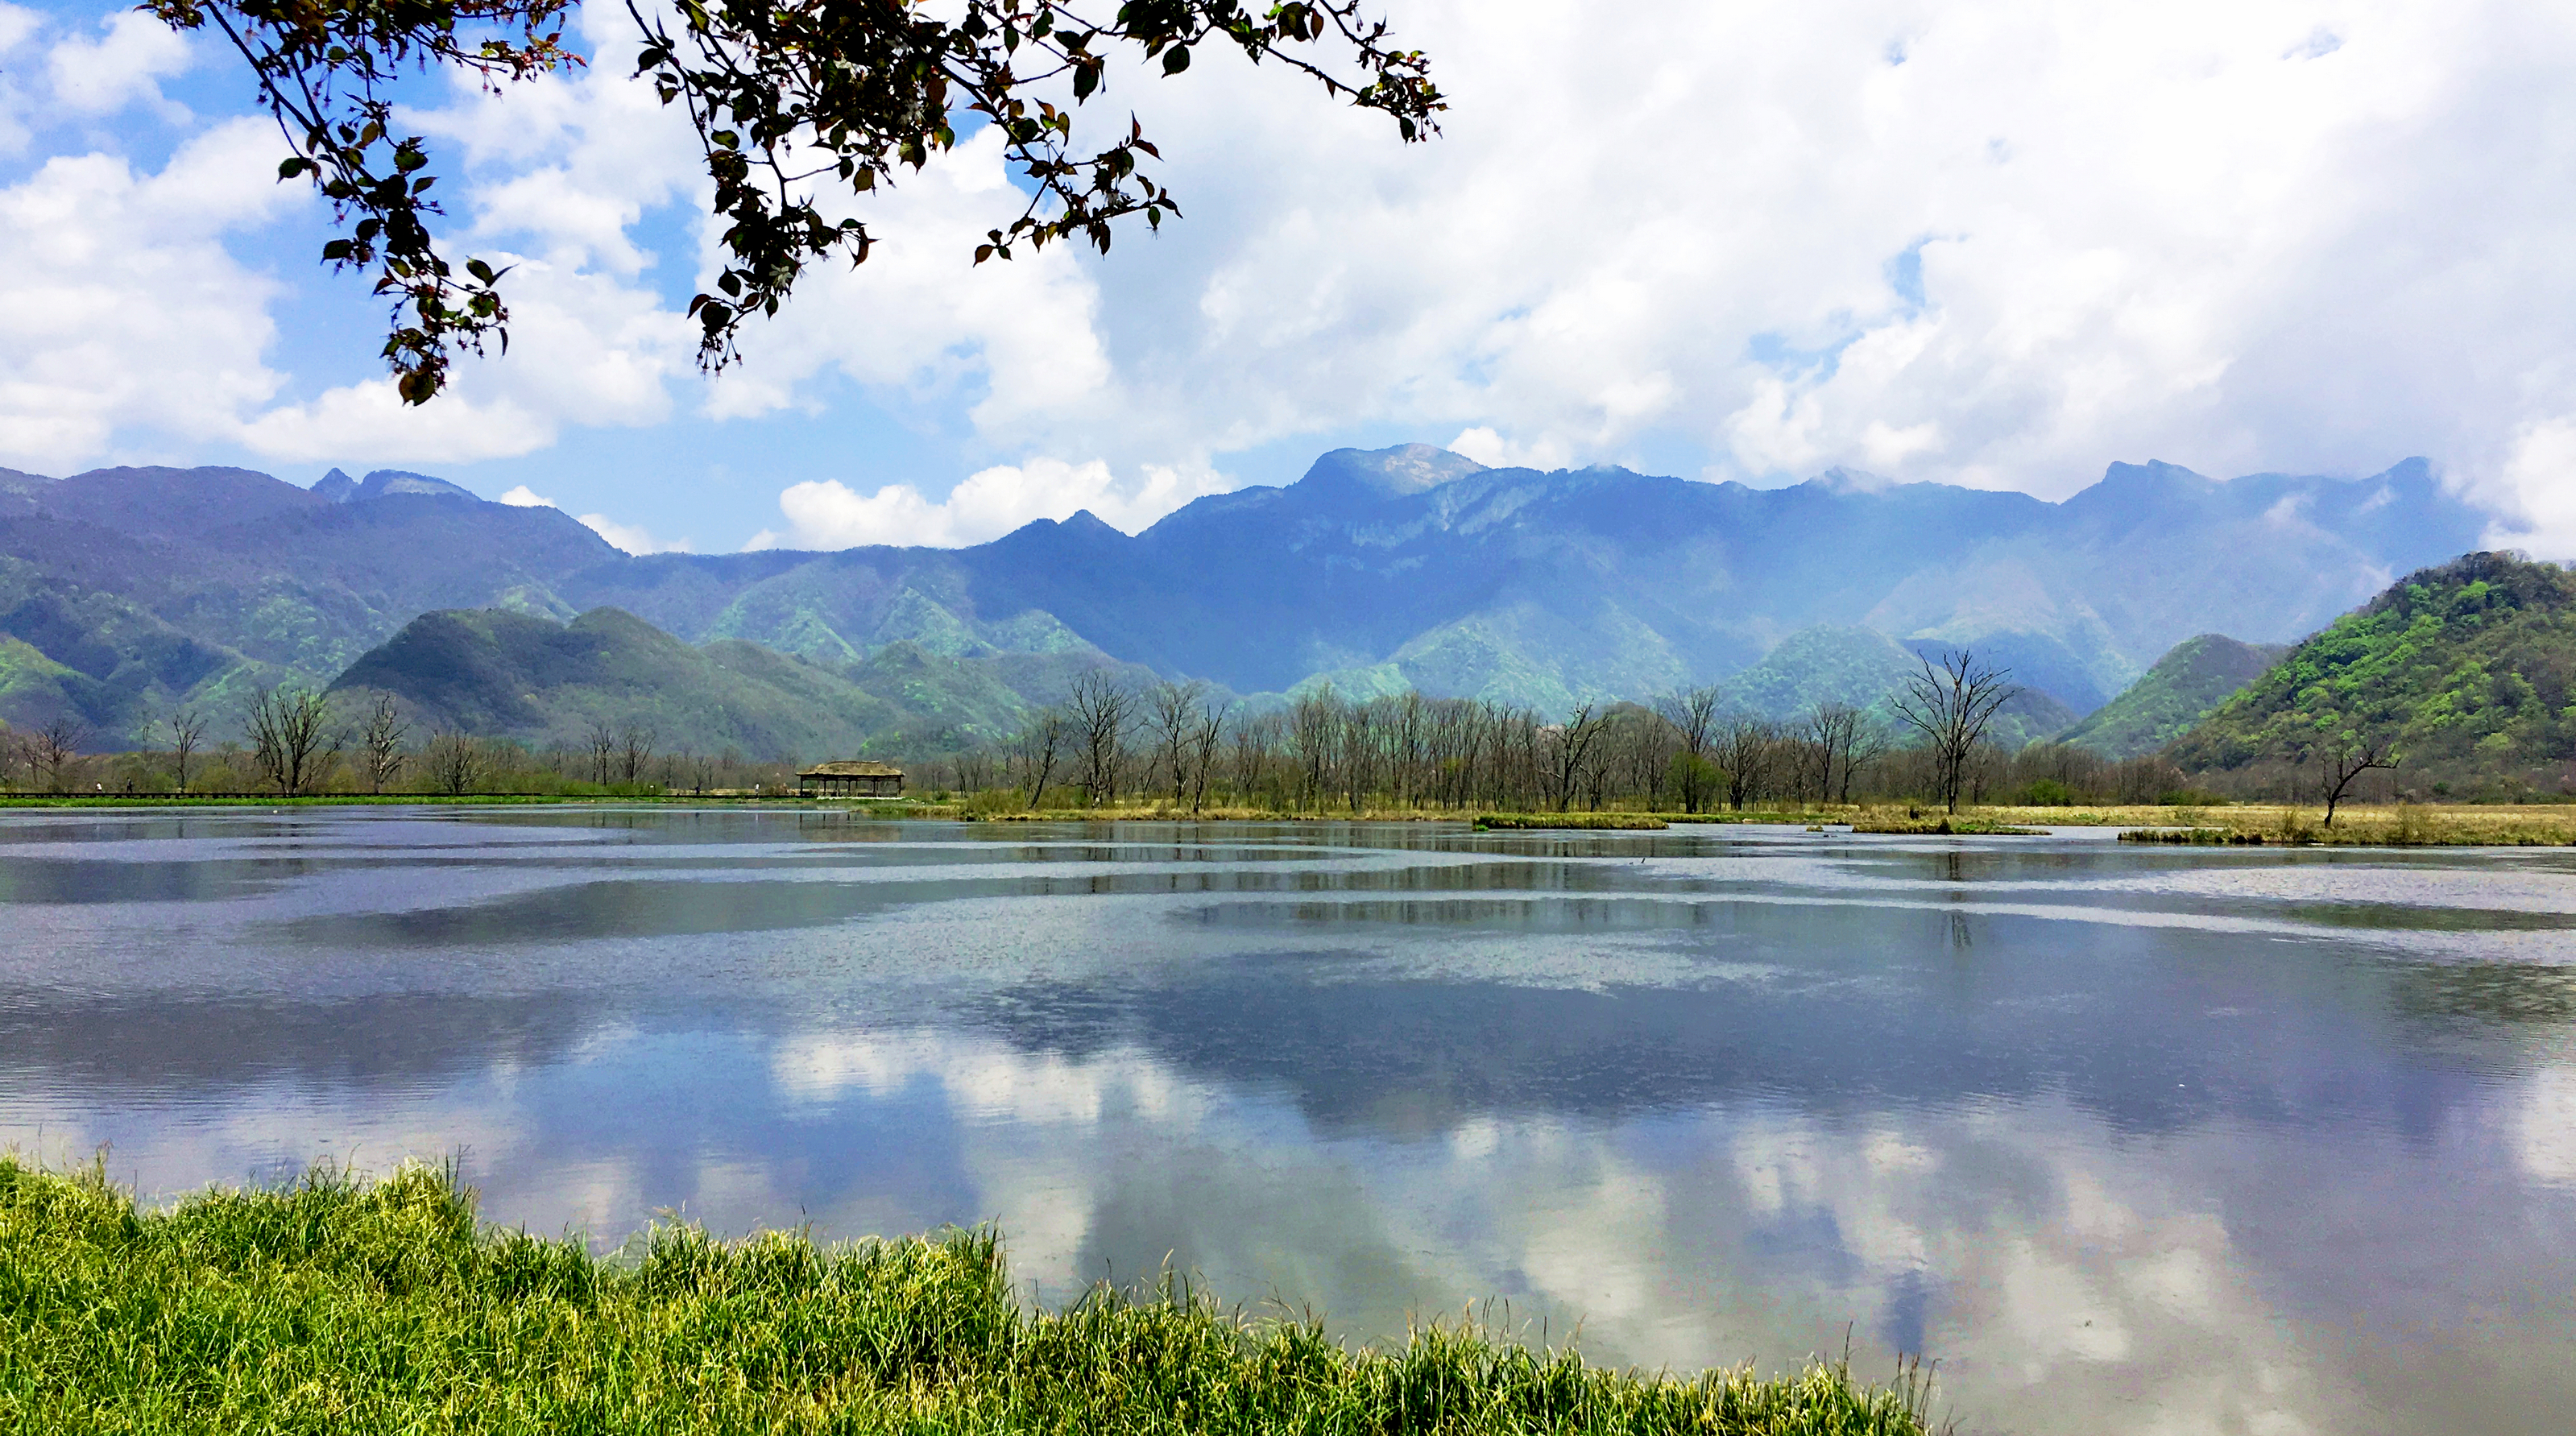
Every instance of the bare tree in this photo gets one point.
(1570, 751)
(1203, 737)
(1693, 714)
(974, 771)
(1744, 750)
(455, 762)
(634, 751)
(56, 747)
(1314, 737)
(2341, 761)
(1834, 730)
(382, 743)
(1172, 712)
(1952, 704)
(1099, 708)
(287, 730)
(1868, 745)
(602, 739)
(1041, 745)
(187, 729)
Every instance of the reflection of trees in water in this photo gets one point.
(1994, 1010)
(2520, 994)
(188, 1045)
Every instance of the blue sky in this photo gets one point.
(1999, 244)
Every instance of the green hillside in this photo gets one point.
(2467, 669)
(2196, 676)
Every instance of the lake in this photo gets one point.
(2127, 1139)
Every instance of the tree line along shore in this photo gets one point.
(1109, 745)
(339, 1303)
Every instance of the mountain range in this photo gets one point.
(126, 591)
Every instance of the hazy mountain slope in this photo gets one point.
(493, 672)
(2468, 670)
(505, 674)
(195, 585)
(2195, 677)
(1866, 669)
(1598, 583)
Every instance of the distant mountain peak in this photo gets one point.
(1388, 473)
(339, 488)
(1840, 480)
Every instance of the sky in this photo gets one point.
(1999, 243)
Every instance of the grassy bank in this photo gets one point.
(1645, 821)
(343, 1306)
(890, 808)
(2409, 826)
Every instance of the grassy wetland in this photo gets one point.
(382, 1306)
(341, 1304)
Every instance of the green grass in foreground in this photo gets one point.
(341, 1305)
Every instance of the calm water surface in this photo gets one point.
(2127, 1140)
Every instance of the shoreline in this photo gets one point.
(2229, 825)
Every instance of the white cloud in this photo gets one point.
(1491, 449)
(1998, 242)
(630, 537)
(921, 321)
(120, 308)
(524, 497)
(18, 25)
(827, 514)
(2537, 486)
(2048, 236)
(125, 65)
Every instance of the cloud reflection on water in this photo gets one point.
(2150, 1169)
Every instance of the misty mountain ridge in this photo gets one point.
(128, 590)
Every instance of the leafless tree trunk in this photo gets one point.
(287, 730)
(1172, 709)
(1203, 737)
(1693, 714)
(634, 750)
(455, 762)
(1952, 705)
(1834, 729)
(1572, 747)
(1868, 745)
(1041, 744)
(1100, 710)
(187, 729)
(2342, 761)
(1314, 731)
(1743, 751)
(56, 747)
(382, 742)
(602, 739)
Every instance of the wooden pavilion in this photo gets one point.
(850, 779)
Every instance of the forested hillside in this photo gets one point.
(2465, 672)
(2183, 686)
